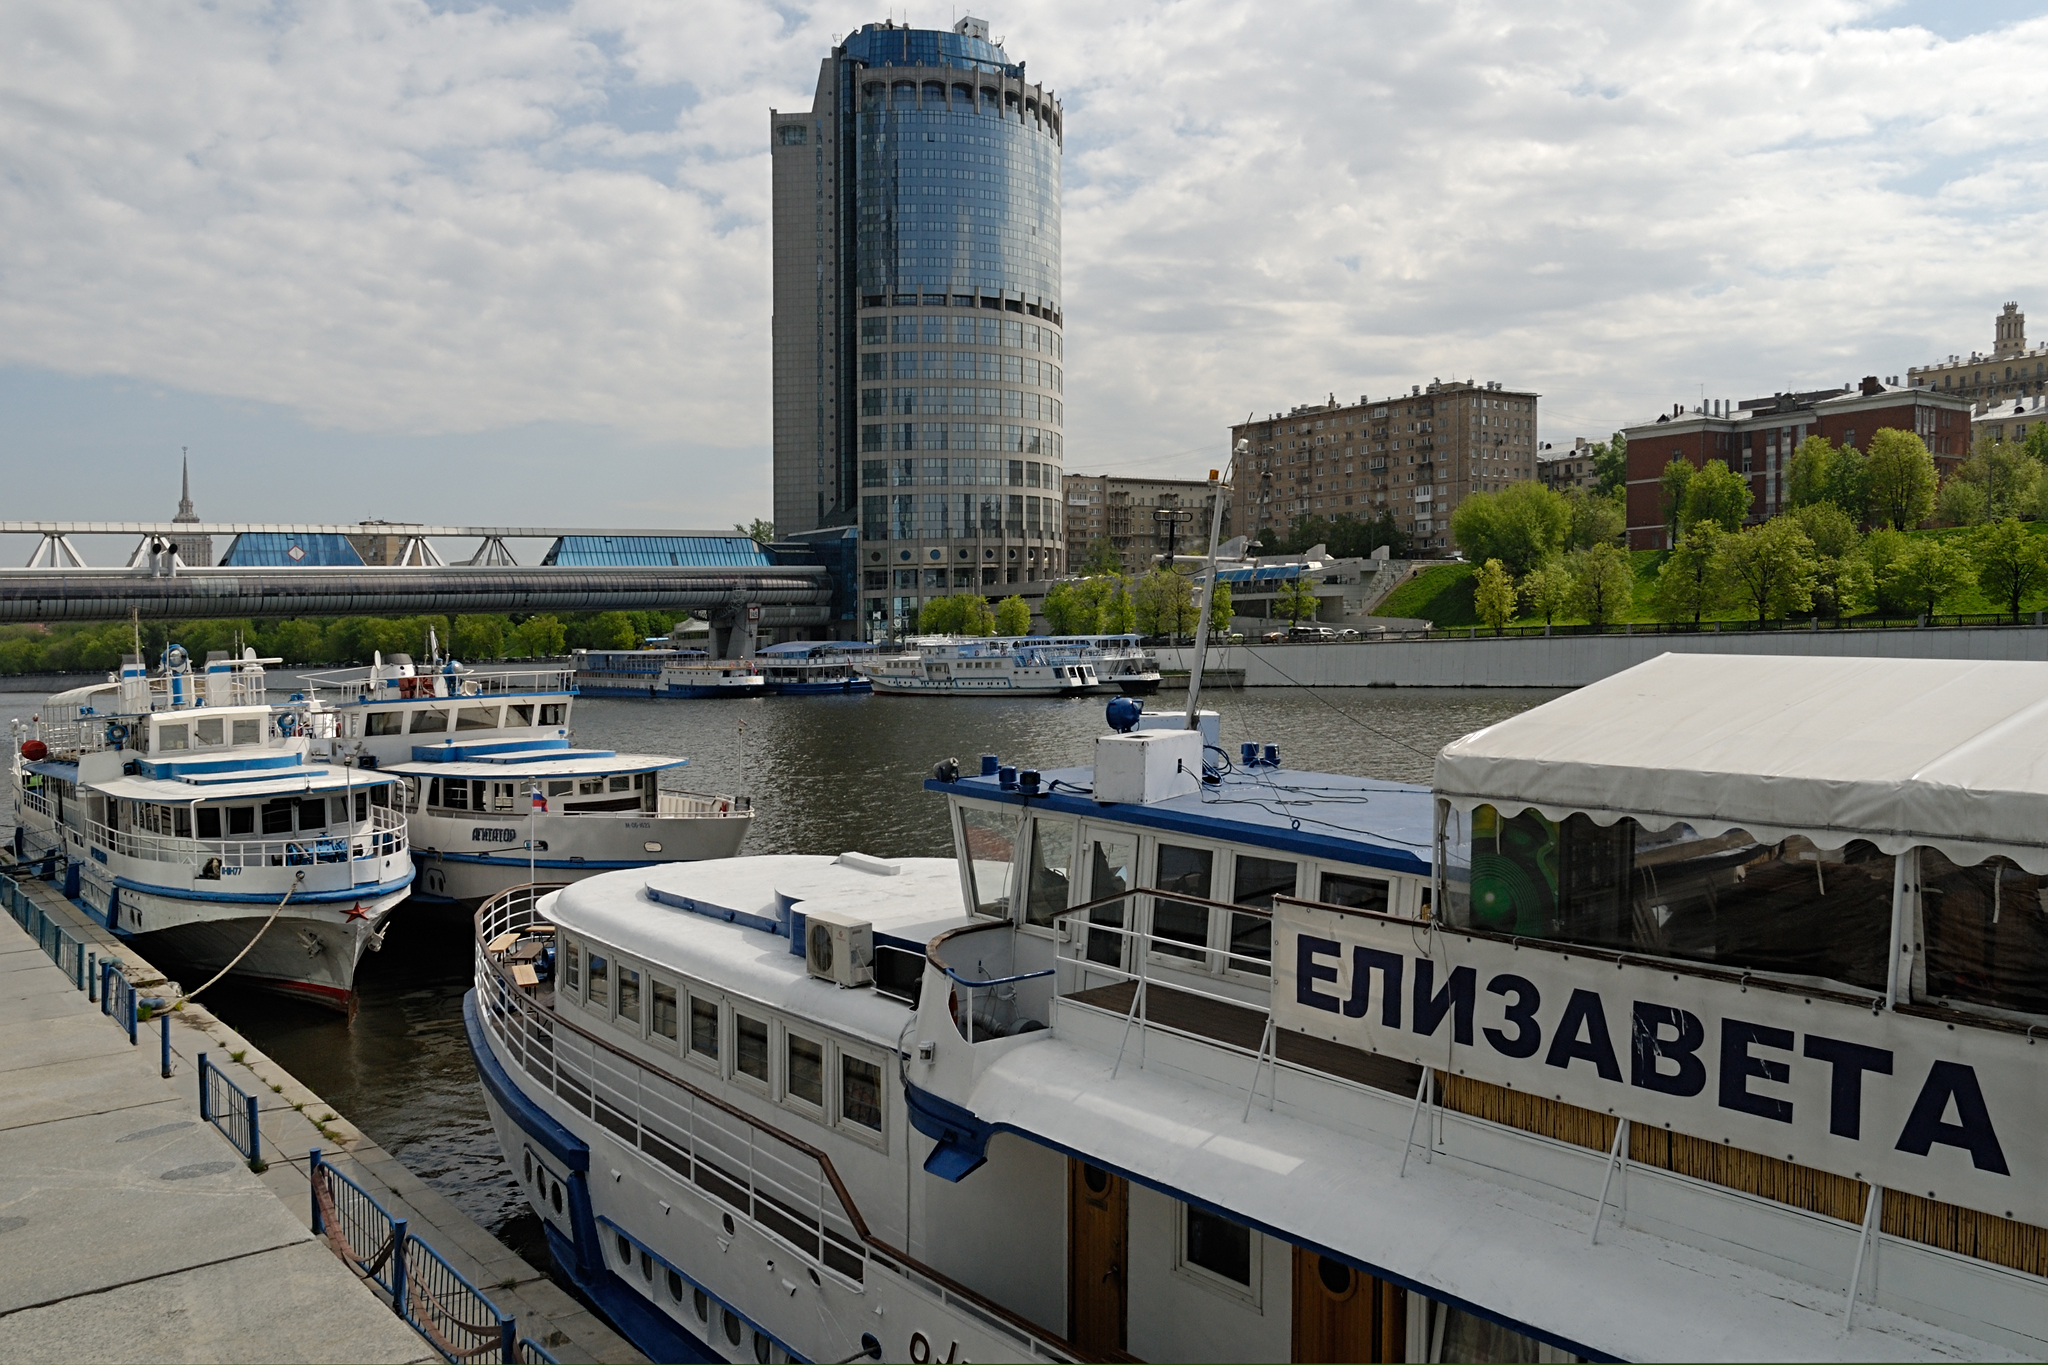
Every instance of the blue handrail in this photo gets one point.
(232, 1110)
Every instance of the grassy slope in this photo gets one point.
(1443, 593)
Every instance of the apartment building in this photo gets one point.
(2008, 371)
(1141, 517)
(1413, 457)
(1566, 469)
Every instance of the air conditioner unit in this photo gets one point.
(839, 948)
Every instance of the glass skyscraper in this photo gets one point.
(917, 337)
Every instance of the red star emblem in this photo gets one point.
(356, 911)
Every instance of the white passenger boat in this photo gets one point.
(494, 793)
(799, 668)
(692, 673)
(973, 666)
(621, 672)
(1625, 1042)
(1121, 663)
(193, 819)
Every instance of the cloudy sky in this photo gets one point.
(509, 262)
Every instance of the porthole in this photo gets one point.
(728, 1224)
(1095, 1178)
(556, 1196)
(732, 1326)
(646, 1267)
(701, 1301)
(625, 1249)
(1339, 1279)
(761, 1347)
(529, 1168)
(675, 1286)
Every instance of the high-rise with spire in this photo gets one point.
(195, 550)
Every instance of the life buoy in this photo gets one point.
(117, 734)
(286, 724)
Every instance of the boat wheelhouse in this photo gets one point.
(1121, 663)
(803, 667)
(193, 817)
(474, 749)
(1208, 1058)
(973, 666)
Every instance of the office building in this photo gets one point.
(919, 336)
(1143, 518)
(2009, 370)
(1413, 457)
(195, 550)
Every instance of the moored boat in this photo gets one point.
(798, 668)
(974, 666)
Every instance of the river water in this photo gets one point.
(827, 774)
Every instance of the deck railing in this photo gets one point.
(355, 685)
(697, 805)
(232, 1110)
(783, 1186)
(386, 837)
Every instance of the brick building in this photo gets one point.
(1415, 456)
(1757, 438)
(2010, 370)
(1123, 510)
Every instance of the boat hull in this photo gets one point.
(461, 868)
(699, 690)
(978, 687)
(836, 687)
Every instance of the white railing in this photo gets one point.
(32, 799)
(697, 806)
(786, 1188)
(385, 837)
(356, 685)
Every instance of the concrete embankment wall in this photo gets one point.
(1575, 660)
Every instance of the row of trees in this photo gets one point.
(1156, 602)
(969, 613)
(341, 640)
(1527, 525)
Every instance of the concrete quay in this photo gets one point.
(1483, 660)
(146, 1235)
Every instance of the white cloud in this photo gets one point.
(397, 220)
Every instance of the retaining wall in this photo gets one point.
(1575, 660)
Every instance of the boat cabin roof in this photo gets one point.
(507, 760)
(1325, 815)
(723, 923)
(1902, 752)
(312, 779)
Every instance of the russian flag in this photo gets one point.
(539, 802)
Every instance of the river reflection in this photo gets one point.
(827, 774)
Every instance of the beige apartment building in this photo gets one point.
(1414, 457)
(1135, 514)
(1562, 470)
(2010, 370)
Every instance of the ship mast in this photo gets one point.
(1216, 486)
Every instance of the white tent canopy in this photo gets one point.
(1947, 753)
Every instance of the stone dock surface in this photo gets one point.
(132, 1230)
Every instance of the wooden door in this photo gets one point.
(1343, 1315)
(1098, 1214)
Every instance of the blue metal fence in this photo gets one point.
(117, 998)
(232, 1110)
(450, 1312)
(532, 1352)
(358, 1227)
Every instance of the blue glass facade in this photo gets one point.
(710, 552)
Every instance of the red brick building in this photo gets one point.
(1757, 439)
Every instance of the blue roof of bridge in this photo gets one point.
(705, 552)
(276, 550)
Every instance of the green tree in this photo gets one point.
(1602, 582)
(1119, 608)
(1881, 550)
(1221, 610)
(1960, 502)
(1928, 574)
(1548, 589)
(1596, 519)
(1847, 485)
(1689, 582)
(2003, 478)
(1717, 494)
(541, 637)
(1522, 525)
(1070, 610)
(1101, 557)
(1165, 603)
(478, 637)
(1672, 487)
(607, 630)
(1610, 462)
(1493, 595)
(2036, 445)
(1770, 568)
(1012, 616)
(760, 530)
(1806, 479)
(1901, 475)
(2010, 562)
(296, 642)
(1295, 599)
(964, 613)
(1841, 577)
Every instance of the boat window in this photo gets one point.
(600, 982)
(208, 731)
(1052, 855)
(1186, 870)
(1355, 893)
(860, 1093)
(1111, 863)
(429, 720)
(1214, 1243)
(380, 795)
(704, 1028)
(503, 795)
(477, 718)
(560, 788)
(629, 994)
(590, 786)
(639, 780)
(241, 820)
(384, 723)
(248, 731)
(661, 1017)
(181, 825)
(621, 783)
(751, 1051)
(804, 1069)
(1455, 1334)
(551, 713)
(990, 838)
(1986, 934)
(1255, 882)
(172, 737)
(209, 822)
(1730, 900)
(519, 715)
(277, 816)
(572, 964)
(454, 794)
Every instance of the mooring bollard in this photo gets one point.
(166, 1018)
(205, 1105)
(255, 1136)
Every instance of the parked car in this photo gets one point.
(1347, 634)
(1273, 637)
(1311, 633)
